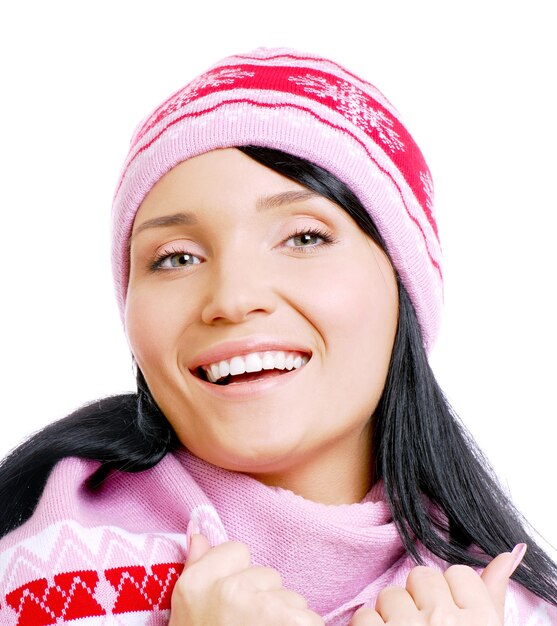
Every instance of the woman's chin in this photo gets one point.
(257, 458)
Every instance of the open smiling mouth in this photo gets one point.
(251, 367)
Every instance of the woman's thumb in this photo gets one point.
(496, 575)
(197, 544)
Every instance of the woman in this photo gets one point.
(278, 270)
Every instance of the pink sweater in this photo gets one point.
(112, 556)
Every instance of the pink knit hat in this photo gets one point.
(312, 108)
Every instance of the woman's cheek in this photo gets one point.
(145, 328)
(348, 297)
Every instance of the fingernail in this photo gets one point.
(518, 552)
(192, 529)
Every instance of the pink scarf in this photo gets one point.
(112, 556)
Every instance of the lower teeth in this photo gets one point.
(249, 376)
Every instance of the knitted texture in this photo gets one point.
(112, 556)
(312, 108)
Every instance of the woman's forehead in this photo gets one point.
(227, 179)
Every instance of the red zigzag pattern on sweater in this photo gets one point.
(72, 594)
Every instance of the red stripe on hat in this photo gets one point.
(295, 57)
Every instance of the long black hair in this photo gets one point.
(440, 489)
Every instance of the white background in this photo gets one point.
(475, 83)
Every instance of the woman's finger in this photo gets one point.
(219, 562)
(428, 588)
(496, 575)
(365, 616)
(467, 588)
(198, 546)
(256, 578)
(291, 598)
(395, 603)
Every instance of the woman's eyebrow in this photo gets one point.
(185, 218)
(176, 219)
(285, 197)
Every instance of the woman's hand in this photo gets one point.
(457, 597)
(220, 587)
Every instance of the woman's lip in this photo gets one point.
(246, 390)
(225, 351)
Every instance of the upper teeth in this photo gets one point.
(254, 362)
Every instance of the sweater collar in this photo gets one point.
(327, 553)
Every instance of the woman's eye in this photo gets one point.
(311, 238)
(174, 260)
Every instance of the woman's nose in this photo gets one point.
(238, 289)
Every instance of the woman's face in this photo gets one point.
(230, 259)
